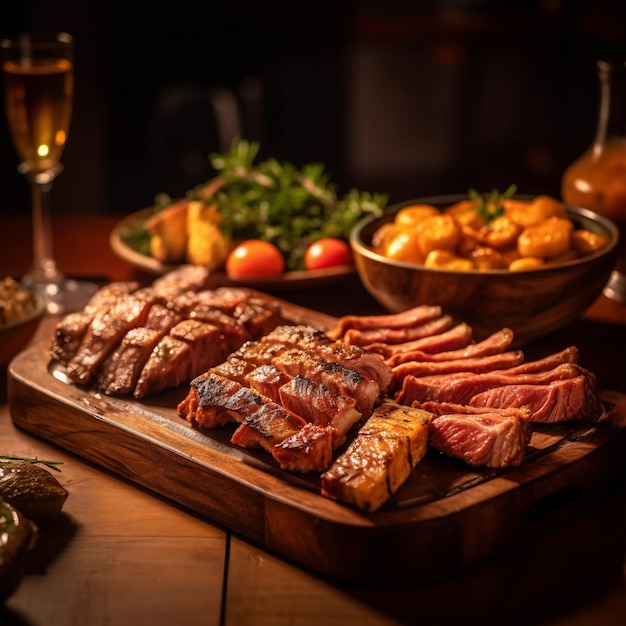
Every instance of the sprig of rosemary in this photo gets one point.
(34, 460)
(490, 207)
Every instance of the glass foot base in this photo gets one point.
(615, 289)
(64, 295)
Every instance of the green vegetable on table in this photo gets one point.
(288, 206)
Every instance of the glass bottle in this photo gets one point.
(597, 179)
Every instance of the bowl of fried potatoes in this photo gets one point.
(21, 311)
(531, 264)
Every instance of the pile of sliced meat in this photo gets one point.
(294, 393)
(383, 387)
(484, 395)
(137, 341)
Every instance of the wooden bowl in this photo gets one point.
(532, 303)
(15, 336)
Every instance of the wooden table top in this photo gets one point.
(120, 555)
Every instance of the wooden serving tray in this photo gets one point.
(446, 517)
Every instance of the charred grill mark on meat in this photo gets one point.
(112, 343)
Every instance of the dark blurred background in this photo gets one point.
(404, 98)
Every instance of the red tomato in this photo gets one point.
(255, 258)
(328, 252)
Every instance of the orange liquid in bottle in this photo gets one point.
(597, 179)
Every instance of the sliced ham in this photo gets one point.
(407, 319)
(496, 343)
(461, 387)
(391, 336)
(478, 365)
(493, 438)
(572, 399)
(455, 338)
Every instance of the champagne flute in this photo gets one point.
(38, 76)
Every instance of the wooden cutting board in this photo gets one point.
(447, 516)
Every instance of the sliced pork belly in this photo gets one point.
(297, 335)
(267, 380)
(316, 403)
(307, 338)
(461, 387)
(493, 438)
(496, 343)
(341, 380)
(572, 399)
(265, 422)
(106, 330)
(207, 403)
(308, 450)
(406, 319)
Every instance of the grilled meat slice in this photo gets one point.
(380, 458)
(456, 338)
(235, 368)
(496, 343)
(309, 339)
(267, 380)
(315, 403)
(182, 279)
(105, 331)
(341, 380)
(463, 386)
(308, 450)
(208, 401)
(190, 347)
(119, 373)
(571, 399)
(481, 437)
(297, 335)
(478, 365)
(258, 316)
(169, 365)
(71, 329)
(407, 319)
(265, 423)
(390, 336)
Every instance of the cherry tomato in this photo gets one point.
(327, 252)
(255, 258)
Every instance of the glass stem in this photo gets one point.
(44, 268)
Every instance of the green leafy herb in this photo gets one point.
(50, 464)
(274, 201)
(490, 207)
(280, 203)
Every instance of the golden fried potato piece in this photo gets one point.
(547, 240)
(206, 245)
(168, 233)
